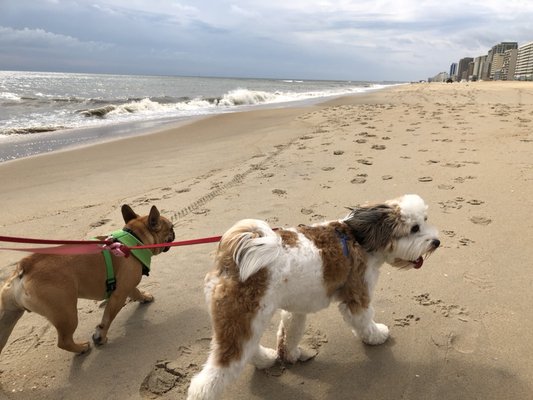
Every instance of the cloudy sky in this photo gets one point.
(340, 39)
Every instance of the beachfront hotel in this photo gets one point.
(504, 61)
(524, 63)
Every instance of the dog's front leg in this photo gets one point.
(362, 322)
(114, 305)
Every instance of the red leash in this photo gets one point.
(89, 246)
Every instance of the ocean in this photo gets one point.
(44, 111)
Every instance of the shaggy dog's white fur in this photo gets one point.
(301, 270)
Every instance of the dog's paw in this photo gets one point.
(85, 348)
(146, 298)
(298, 354)
(264, 358)
(377, 334)
(98, 338)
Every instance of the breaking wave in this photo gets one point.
(33, 103)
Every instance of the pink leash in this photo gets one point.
(66, 247)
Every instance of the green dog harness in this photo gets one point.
(127, 238)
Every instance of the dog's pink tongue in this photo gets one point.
(418, 263)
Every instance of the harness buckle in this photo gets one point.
(111, 285)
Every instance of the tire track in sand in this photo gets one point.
(235, 181)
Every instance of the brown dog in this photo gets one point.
(50, 285)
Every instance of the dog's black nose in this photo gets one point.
(435, 243)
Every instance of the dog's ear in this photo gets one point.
(128, 214)
(153, 217)
(373, 226)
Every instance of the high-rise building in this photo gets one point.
(493, 58)
(479, 63)
(509, 65)
(462, 69)
(496, 66)
(453, 70)
(524, 63)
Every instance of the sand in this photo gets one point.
(460, 326)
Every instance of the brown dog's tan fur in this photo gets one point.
(50, 285)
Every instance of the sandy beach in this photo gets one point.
(460, 326)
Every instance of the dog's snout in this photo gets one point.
(435, 243)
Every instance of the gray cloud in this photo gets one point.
(364, 39)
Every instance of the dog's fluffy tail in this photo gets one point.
(251, 245)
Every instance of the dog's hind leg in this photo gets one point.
(211, 381)
(230, 352)
(10, 312)
(290, 331)
(65, 325)
(217, 374)
(362, 322)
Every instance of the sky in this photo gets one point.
(373, 40)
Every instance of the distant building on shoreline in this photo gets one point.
(495, 57)
(453, 70)
(479, 66)
(504, 61)
(524, 63)
(463, 69)
(507, 71)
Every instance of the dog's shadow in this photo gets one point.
(288, 381)
(131, 330)
(376, 372)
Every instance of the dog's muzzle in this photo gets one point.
(170, 239)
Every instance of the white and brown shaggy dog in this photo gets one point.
(302, 270)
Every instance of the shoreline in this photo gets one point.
(457, 324)
(68, 139)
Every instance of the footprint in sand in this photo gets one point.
(306, 211)
(483, 282)
(446, 187)
(279, 192)
(379, 147)
(406, 321)
(306, 137)
(461, 179)
(100, 223)
(361, 178)
(338, 152)
(425, 179)
(480, 220)
(453, 165)
(475, 202)
(465, 241)
(364, 161)
(328, 168)
(464, 336)
(386, 177)
(175, 374)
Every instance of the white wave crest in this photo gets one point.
(241, 97)
(9, 96)
(144, 105)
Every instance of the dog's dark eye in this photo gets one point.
(415, 229)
